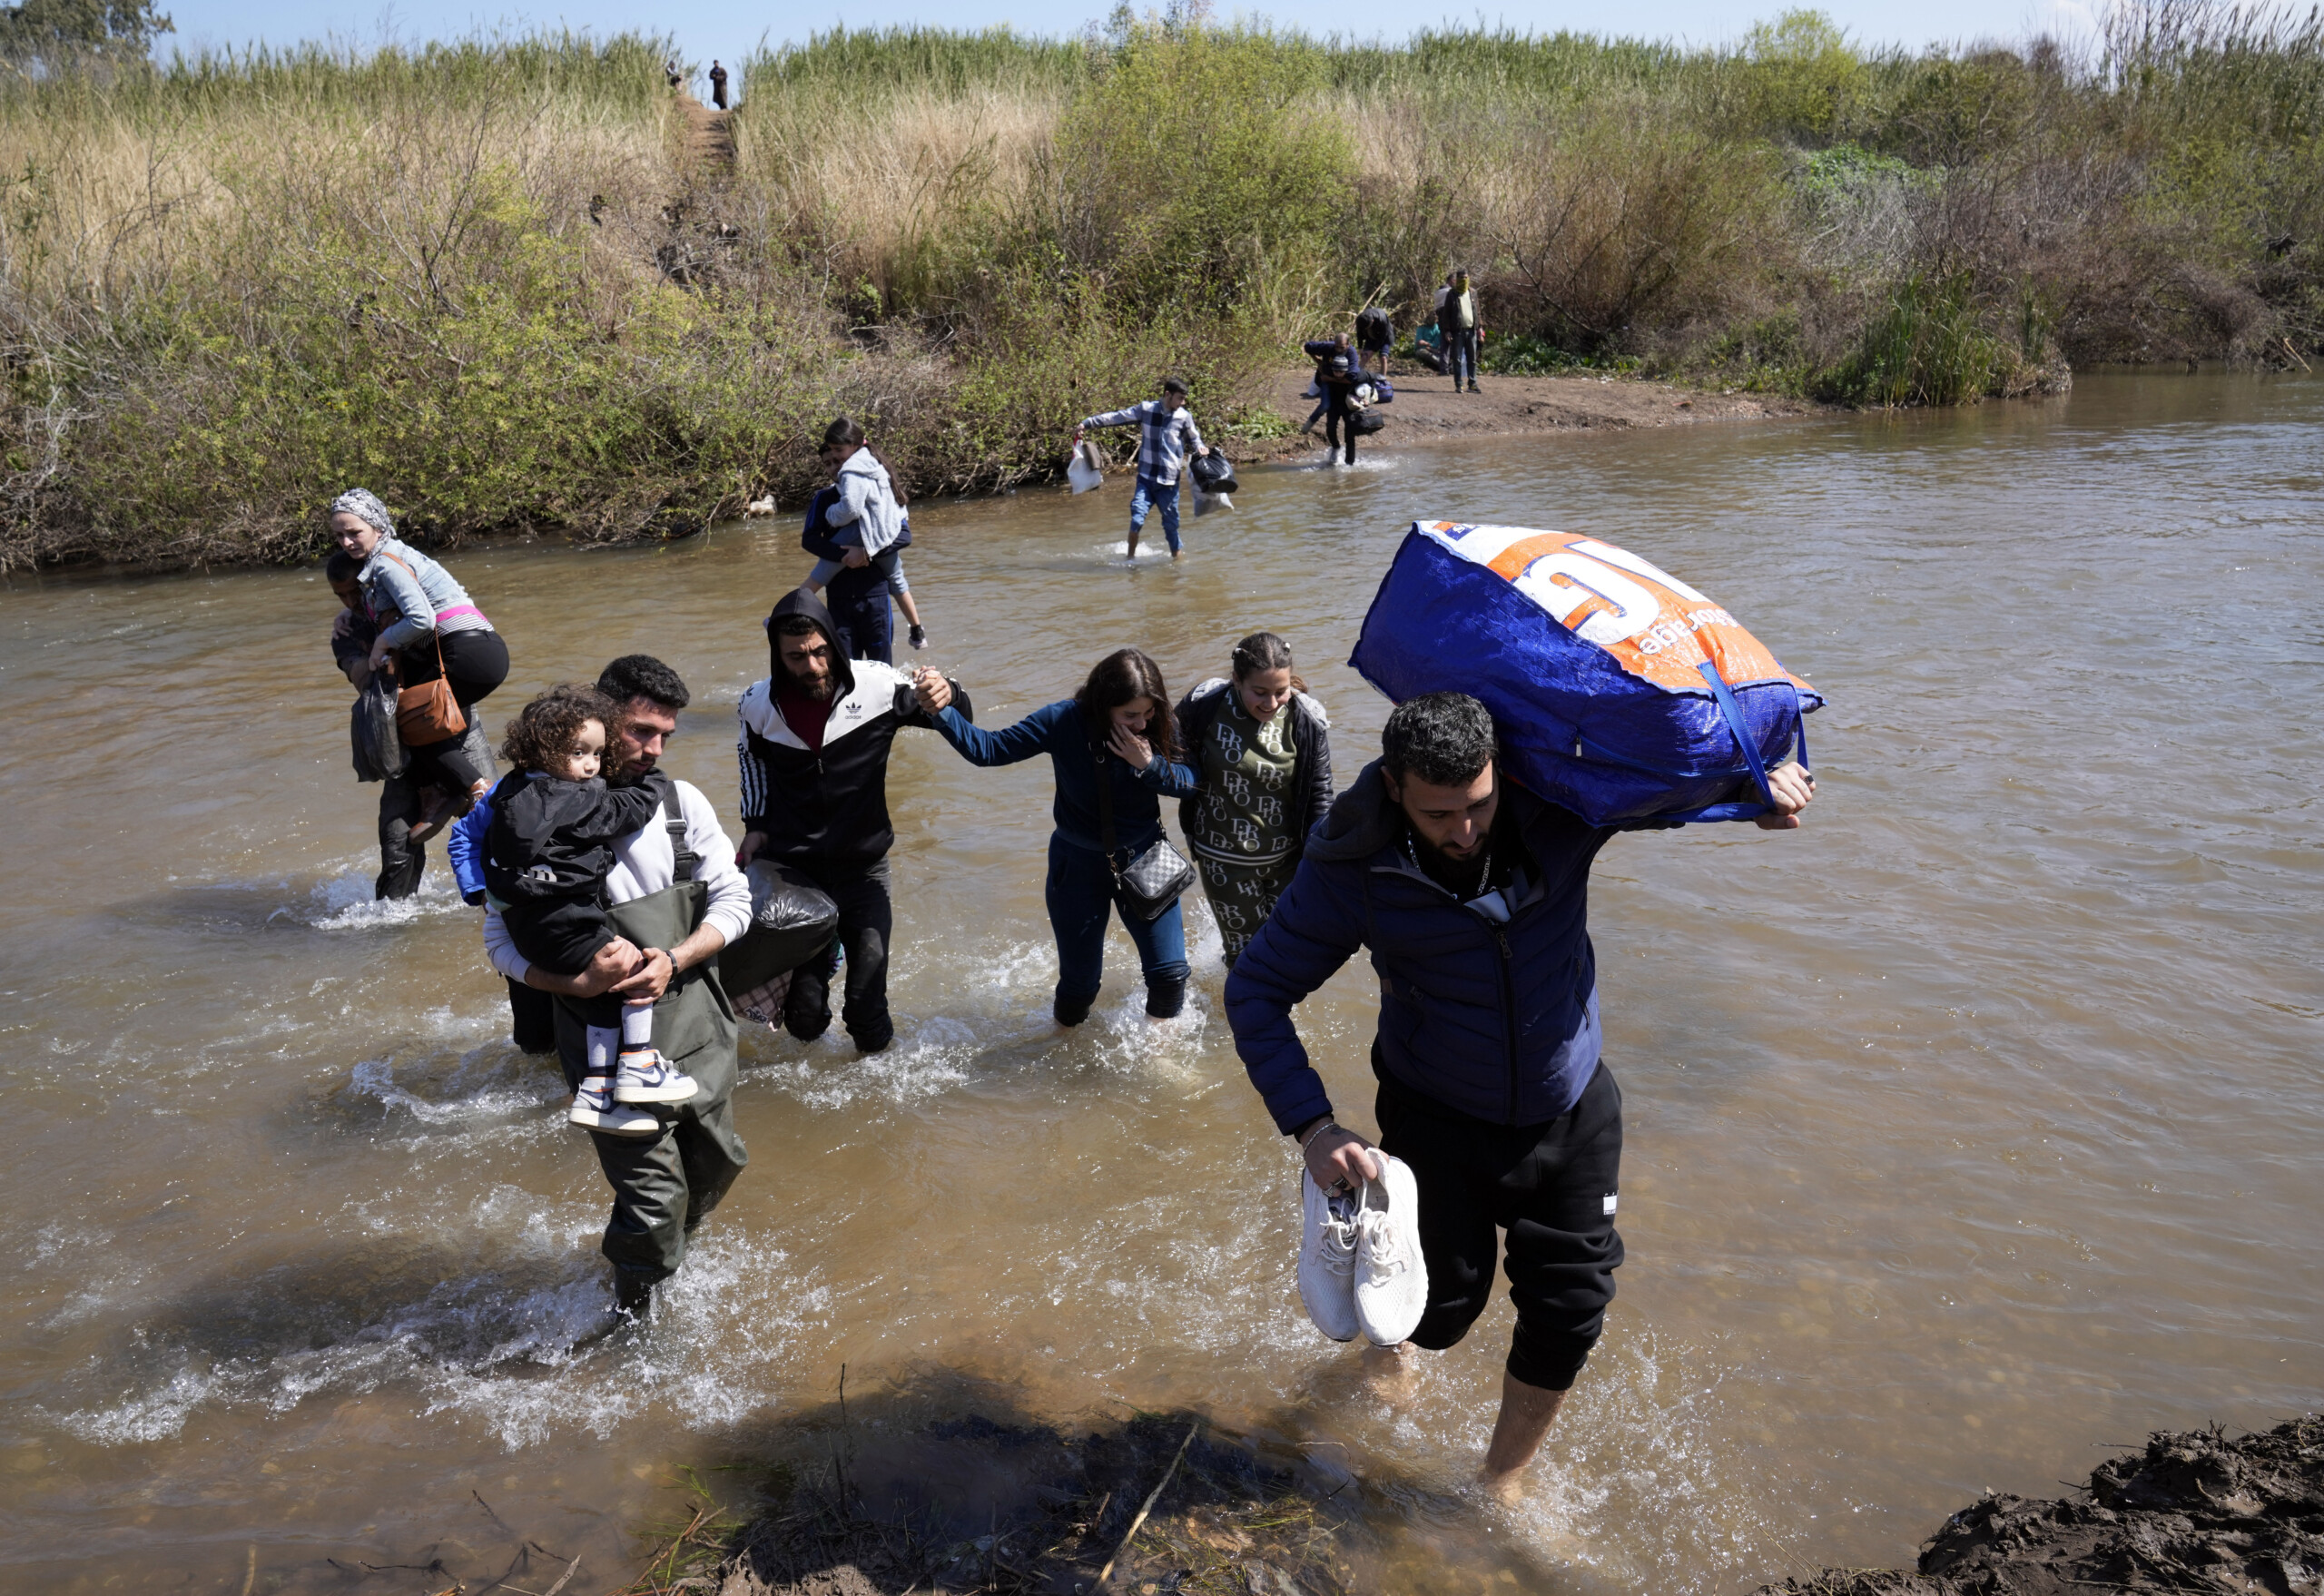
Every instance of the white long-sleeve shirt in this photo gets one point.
(644, 863)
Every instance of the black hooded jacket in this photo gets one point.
(829, 803)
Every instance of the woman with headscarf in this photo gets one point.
(434, 631)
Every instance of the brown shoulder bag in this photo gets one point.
(428, 713)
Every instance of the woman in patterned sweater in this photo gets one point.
(1262, 748)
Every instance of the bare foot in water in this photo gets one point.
(1392, 1374)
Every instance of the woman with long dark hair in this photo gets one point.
(1262, 747)
(1117, 732)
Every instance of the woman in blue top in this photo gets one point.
(1118, 729)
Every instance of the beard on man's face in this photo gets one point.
(809, 687)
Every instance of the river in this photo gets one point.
(1970, 1128)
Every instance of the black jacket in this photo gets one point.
(829, 803)
(1310, 793)
(551, 838)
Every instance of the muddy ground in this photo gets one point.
(1425, 409)
(2194, 1512)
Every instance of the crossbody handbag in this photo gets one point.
(427, 714)
(1148, 884)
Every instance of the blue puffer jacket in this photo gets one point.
(1499, 1023)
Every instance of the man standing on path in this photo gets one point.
(816, 734)
(1166, 431)
(1472, 897)
(717, 85)
(1457, 321)
(675, 898)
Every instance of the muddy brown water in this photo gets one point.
(1970, 1128)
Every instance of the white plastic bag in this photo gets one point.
(1085, 470)
(1207, 502)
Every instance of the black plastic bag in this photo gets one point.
(1364, 423)
(790, 922)
(1215, 473)
(380, 753)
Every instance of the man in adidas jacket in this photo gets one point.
(675, 898)
(1472, 897)
(816, 733)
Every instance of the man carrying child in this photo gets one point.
(672, 897)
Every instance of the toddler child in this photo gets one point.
(547, 851)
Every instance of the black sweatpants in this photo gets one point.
(474, 663)
(867, 922)
(562, 935)
(1335, 424)
(1550, 1186)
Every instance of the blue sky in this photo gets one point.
(730, 28)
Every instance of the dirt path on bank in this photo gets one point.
(1425, 409)
(709, 140)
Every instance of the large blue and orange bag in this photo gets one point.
(1620, 692)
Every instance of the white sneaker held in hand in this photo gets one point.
(1327, 1260)
(1390, 1276)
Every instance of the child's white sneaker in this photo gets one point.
(1391, 1276)
(594, 1108)
(1327, 1260)
(646, 1076)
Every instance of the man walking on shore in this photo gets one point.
(816, 734)
(1167, 430)
(675, 898)
(1473, 898)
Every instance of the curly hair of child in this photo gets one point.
(549, 727)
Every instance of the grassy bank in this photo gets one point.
(486, 280)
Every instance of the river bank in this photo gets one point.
(1426, 409)
(2191, 1512)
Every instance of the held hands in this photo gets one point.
(651, 978)
(1132, 747)
(855, 559)
(931, 689)
(1339, 1159)
(1793, 789)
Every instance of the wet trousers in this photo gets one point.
(403, 861)
(1242, 895)
(1336, 423)
(1080, 896)
(1551, 1187)
(867, 922)
(664, 1187)
(1150, 495)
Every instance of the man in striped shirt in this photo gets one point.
(1167, 431)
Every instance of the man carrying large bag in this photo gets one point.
(676, 898)
(1471, 893)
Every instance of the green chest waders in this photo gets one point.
(664, 1185)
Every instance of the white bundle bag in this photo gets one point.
(1085, 470)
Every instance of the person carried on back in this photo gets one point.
(1167, 437)
(548, 850)
(864, 518)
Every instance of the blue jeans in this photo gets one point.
(1080, 895)
(1153, 495)
(1461, 356)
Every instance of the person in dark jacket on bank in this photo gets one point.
(718, 86)
(816, 733)
(1263, 748)
(1116, 731)
(1471, 895)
